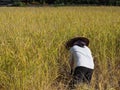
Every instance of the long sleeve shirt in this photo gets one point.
(81, 56)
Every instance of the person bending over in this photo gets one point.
(81, 61)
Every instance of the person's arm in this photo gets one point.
(71, 63)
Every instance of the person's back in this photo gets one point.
(82, 56)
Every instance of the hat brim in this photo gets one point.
(71, 42)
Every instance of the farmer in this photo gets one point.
(81, 61)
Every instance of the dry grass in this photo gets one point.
(32, 53)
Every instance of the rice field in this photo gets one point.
(32, 52)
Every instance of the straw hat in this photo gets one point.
(71, 42)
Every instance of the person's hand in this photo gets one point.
(71, 72)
